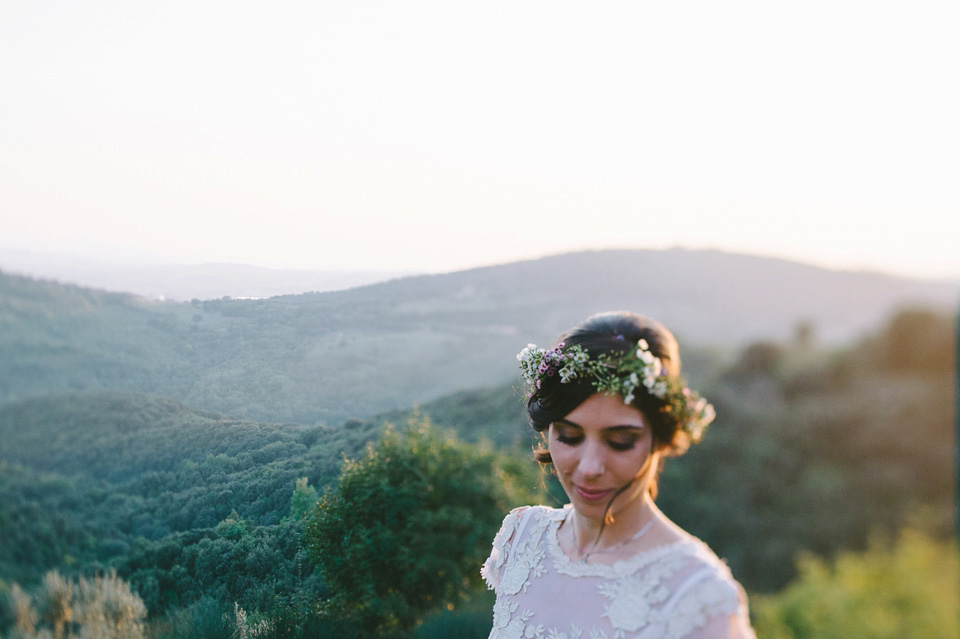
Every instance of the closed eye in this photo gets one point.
(573, 440)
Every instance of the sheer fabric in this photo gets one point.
(677, 591)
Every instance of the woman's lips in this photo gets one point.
(592, 494)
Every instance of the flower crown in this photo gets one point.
(619, 374)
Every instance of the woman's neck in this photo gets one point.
(592, 535)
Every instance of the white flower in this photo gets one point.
(709, 414)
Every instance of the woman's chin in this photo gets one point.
(599, 506)
(589, 509)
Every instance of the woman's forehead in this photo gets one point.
(605, 411)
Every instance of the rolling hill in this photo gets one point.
(326, 357)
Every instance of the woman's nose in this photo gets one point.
(592, 462)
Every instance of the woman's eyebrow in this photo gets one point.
(624, 427)
(620, 427)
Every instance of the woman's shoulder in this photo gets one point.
(707, 559)
(708, 590)
(519, 516)
(541, 511)
(516, 521)
(698, 560)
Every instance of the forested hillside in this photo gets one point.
(85, 476)
(327, 357)
(811, 449)
(113, 455)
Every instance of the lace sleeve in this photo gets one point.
(493, 567)
(712, 608)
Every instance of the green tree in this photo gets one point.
(907, 591)
(407, 528)
(233, 527)
(303, 500)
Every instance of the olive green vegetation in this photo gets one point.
(814, 450)
(908, 589)
(408, 526)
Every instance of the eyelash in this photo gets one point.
(618, 446)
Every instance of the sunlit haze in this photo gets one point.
(436, 136)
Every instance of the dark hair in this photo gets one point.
(612, 332)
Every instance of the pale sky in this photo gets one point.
(443, 135)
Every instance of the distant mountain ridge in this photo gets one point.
(184, 282)
(708, 296)
(326, 357)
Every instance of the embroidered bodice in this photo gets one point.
(677, 591)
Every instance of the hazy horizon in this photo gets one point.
(17, 256)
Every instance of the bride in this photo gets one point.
(611, 406)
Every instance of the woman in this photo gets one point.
(611, 406)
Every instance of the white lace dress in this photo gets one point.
(677, 591)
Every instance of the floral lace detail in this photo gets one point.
(517, 629)
(631, 597)
(705, 599)
(503, 626)
(528, 565)
(513, 563)
(669, 592)
(502, 545)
